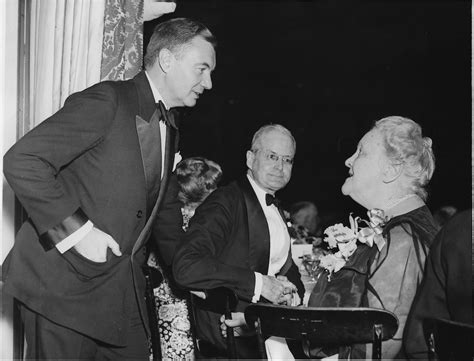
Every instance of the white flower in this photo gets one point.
(332, 262)
(340, 233)
(177, 159)
(348, 248)
(345, 239)
(332, 242)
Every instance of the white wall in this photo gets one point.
(8, 117)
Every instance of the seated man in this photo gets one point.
(238, 238)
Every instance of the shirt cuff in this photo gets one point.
(74, 238)
(258, 287)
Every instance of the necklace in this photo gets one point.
(398, 201)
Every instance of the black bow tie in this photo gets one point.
(166, 115)
(269, 199)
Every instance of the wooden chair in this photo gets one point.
(449, 340)
(320, 327)
(220, 300)
(153, 279)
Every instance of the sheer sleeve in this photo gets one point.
(396, 274)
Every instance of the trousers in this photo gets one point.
(47, 340)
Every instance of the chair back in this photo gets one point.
(323, 326)
(449, 340)
(220, 300)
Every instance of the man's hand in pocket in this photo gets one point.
(94, 246)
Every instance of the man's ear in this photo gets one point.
(392, 172)
(165, 59)
(250, 158)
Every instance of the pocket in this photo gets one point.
(85, 268)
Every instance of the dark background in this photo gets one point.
(327, 70)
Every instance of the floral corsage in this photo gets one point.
(344, 240)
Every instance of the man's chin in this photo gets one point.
(277, 186)
(190, 102)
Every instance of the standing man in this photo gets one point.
(95, 180)
(238, 238)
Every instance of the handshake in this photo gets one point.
(278, 290)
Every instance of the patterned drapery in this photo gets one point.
(122, 48)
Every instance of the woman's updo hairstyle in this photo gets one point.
(405, 144)
(197, 177)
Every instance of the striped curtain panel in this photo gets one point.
(64, 54)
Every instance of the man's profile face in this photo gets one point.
(190, 72)
(270, 164)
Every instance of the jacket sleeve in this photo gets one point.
(33, 165)
(445, 291)
(197, 264)
(168, 224)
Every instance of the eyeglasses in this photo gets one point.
(274, 157)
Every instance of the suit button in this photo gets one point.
(139, 214)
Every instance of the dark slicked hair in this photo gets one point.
(173, 35)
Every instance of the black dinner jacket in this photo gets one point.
(227, 241)
(85, 162)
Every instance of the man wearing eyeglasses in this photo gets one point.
(239, 239)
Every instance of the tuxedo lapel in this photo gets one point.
(149, 139)
(259, 235)
(146, 101)
(169, 159)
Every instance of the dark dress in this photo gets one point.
(393, 273)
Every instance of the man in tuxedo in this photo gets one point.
(95, 180)
(238, 238)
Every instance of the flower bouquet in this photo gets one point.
(344, 240)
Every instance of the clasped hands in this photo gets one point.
(277, 290)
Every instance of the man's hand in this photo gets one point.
(290, 295)
(237, 322)
(153, 9)
(199, 294)
(277, 290)
(94, 245)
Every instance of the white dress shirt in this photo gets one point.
(279, 238)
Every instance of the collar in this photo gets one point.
(258, 191)
(405, 206)
(156, 94)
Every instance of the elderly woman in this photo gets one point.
(197, 178)
(389, 171)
